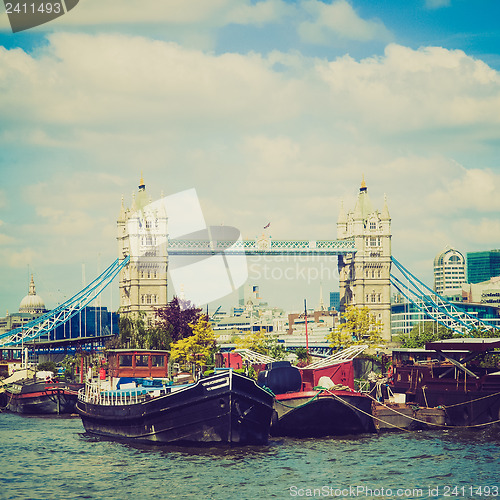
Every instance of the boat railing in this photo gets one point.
(94, 393)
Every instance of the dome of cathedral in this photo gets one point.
(32, 303)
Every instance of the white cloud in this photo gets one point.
(19, 259)
(101, 88)
(281, 137)
(482, 233)
(341, 20)
(115, 80)
(214, 13)
(474, 189)
(406, 90)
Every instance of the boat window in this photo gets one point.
(157, 361)
(141, 360)
(126, 360)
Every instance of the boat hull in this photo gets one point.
(225, 408)
(468, 408)
(399, 416)
(41, 398)
(334, 413)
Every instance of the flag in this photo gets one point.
(265, 227)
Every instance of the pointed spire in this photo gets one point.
(363, 184)
(122, 210)
(321, 302)
(342, 217)
(364, 205)
(141, 182)
(385, 211)
(32, 287)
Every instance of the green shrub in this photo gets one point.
(47, 366)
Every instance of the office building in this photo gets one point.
(449, 271)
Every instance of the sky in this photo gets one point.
(272, 110)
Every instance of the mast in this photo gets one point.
(307, 338)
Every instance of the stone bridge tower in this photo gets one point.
(365, 276)
(142, 234)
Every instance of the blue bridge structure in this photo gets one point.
(408, 285)
(41, 327)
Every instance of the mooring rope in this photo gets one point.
(439, 425)
(472, 400)
(365, 413)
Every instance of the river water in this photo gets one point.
(52, 458)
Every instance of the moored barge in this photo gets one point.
(447, 374)
(318, 400)
(225, 408)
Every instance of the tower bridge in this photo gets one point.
(263, 246)
(363, 247)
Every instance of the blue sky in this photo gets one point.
(272, 110)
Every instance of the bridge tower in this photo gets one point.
(142, 233)
(365, 276)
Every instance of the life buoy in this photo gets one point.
(390, 374)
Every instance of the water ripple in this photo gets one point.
(52, 458)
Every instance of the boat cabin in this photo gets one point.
(11, 360)
(411, 356)
(444, 363)
(139, 363)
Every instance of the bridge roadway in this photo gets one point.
(321, 348)
(265, 246)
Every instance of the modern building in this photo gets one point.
(89, 322)
(486, 292)
(482, 266)
(364, 277)
(334, 301)
(449, 271)
(406, 315)
(142, 234)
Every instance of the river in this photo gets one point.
(52, 458)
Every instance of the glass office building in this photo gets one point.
(481, 266)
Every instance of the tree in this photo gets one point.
(158, 337)
(172, 322)
(255, 341)
(274, 348)
(483, 333)
(197, 348)
(132, 333)
(47, 366)
(424, 332)
(303, 357)
(68, 365)
(357, 326)
(177, 317)
(261, 343)
(136, 333)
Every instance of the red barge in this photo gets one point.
(318, 400)
(40, 396)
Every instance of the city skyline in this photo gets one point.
(273, 111)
